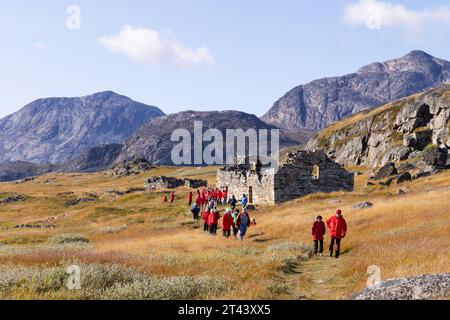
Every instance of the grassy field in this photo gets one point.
(134, 246)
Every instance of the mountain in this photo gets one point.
(54, 130)
(413, 131)
(16, 170)
(322, 102)
(153, 140)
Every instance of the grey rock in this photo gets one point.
(163, 182)
(363, 205)
(322, 102)
(404, 178)
(385, 171)
(436, 157)
(423, 287)
(418, 140)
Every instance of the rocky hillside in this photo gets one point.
(54, 130)
(413, 131)
(322, 102)
(153, 140)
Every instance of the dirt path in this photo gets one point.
(317, 279)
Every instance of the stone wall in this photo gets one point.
(294, 179)
(259, 187)
(172, 183)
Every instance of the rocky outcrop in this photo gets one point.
(127, 168)
(424, 287)
(55, 130)
(322, 102)
(164, 182)
(414, 130)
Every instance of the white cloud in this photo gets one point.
(376, 14)
(40, 45)
(150, 47)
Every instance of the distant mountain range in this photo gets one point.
(91, 133)
(322, 102)
(55, 130)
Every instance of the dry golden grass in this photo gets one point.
(404, 235)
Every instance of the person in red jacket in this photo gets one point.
(205, 218)
(227, 222)
(214, 217)
(172, 196)
(165, 199)
(318, 231)
(338, 229)
(190, 198)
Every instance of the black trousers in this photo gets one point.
(195, 216)
(205, 227)
(318, 246)
(213, 229)
(235, 231)
(338, 245)
(226, 233)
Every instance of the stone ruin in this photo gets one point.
(164, 182)
(302, 173)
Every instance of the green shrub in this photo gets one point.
(68, 239)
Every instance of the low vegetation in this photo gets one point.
(134, 246)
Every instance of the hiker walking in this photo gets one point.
(190, 198)
(318, 231)
(227, 222)
(232, 202)
(338, 229)
(205, 218)
(165, 199)
(242, 222)
(195, 211)
(244, 201)
(172, 196)
(214, 217)
(235, 228)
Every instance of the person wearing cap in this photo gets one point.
(227, 222)
(318, 231)
(337, 227)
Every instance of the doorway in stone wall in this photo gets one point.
(250, 194)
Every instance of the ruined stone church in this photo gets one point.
(302, 173)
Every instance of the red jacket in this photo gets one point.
(318, 230)
(205, 216)
(337, 227)
(214, 218)
(172, 196)
(227, 221)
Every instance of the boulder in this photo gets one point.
(423, 287)
(436, 157)
(363, 205)
(404, 177)
(418, 140)
(385, 171)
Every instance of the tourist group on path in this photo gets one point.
(237, 222)
(233, 222)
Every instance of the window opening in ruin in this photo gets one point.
(315, 172)
(250, 194)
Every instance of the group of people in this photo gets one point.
(337, 227)
(233, 221)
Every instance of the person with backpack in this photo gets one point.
(232, 202)
(337, 227)
(235, 228)
(227, 222)
(205, 218)
(244, 201)
(195, 211)
(214, 217)
(318, 231)
(242, 222)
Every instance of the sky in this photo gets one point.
(203, 54)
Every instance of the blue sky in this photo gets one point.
(203, 55)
